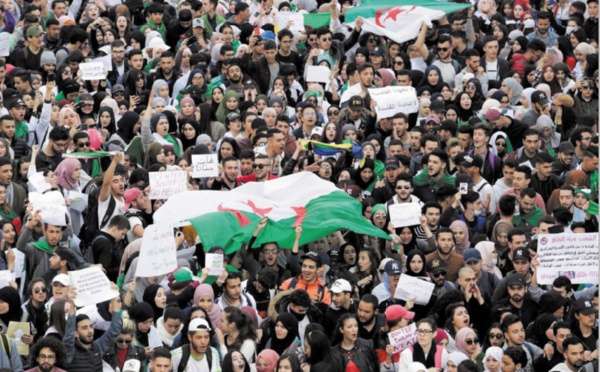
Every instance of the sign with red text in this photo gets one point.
(572, 255)
(403, 338)
(165, 184)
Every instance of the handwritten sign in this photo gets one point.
(205, 165)
(16, 330)
(38, 182)
(214, 261)
(106, 62)
(92, 286)
(5, 277)
(405, 214)
(79, 200)
(165, 184)
(392, 100)
(411, 287)
(4, 44)
(403, 338)
(317, 74)
(353, 90)
(158, 254)
(297, 21)
(92, 71)
(52, 206)
(572, 255)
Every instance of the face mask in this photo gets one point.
(298, 317)
(495, 262)
(477, 213)
(570, 29)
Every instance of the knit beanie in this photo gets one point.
(47, 58)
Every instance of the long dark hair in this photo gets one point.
(320, 350)
(294, 362)
(243, 323)
(57, 317)
(227, 365)
(337, 335)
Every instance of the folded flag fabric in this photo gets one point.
(89, 154)
(228, 219)
(331, 149)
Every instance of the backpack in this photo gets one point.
(186, 356)
(89, 251)
(91, 225)
(138, 214)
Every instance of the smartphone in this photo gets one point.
(192, 40)
(550, 51)
(51, 76)
(556, 229)
(464, 188)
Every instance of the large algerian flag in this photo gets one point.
(400, 20)
(228, 219)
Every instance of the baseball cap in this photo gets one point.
(432, 117)
(566, 148)
(378, 52)
(182, 275)
(233, 116)
(436, 266)
(132, 365)
(316, 130)
(341, 285)
(198, 22)
(130, 195)
(16, 103)
(33, 31)
(117, 88)
(522, 254)
(472, 161)
(396, 312)
(392, 162)
(585, 307)
(539, 97)
(472, 255)
(515, 279)
(198, 324)
(312, 256)
(383, 263)
(393, 267)
(356, 103)
(62, 279)
(437, 106)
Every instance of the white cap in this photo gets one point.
(317, 130)
(132, 365)
(198, 22)
(198, 324)
(62, 279)
(341, 285)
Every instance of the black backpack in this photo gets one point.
(91, 225)
(186, 356)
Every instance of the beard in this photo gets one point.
(367, 322)
(46, 367)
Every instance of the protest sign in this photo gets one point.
(165, 184)
(403, 338)
(205, 166)
(572, 255)
(405, 214)
(392, 100)
(410, 287)
(38, 182)
(16, 330)
(106, 62)
(92, 71)
(317, 74)
(79, 200)
(297, 21)
(214, 261)
(5, 277)
(96, 319)
(353, 90)
(92, 286)
(4, 44)
(158, 254)
(52, 206)
(19, 264)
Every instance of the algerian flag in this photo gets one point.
(400, 20)
(89, 154)
(228, 219)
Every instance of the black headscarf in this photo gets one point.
(12, 298)
(140, 313)
(172, 121)
(409, 257)
(184, 141)
(149, 296)
(126, 125)
(290, 323)
(368, 163)
(205, 115)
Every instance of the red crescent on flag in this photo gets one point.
(391, 13)
(242, 219)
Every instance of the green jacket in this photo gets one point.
(162, 29)
(207, 26)
(423, 179)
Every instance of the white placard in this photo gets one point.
(38, 182)
(19, 264)
(317, 74)
(403, 338)
(572, 255)
(106, 62)
(297, 21)
(79, 200)
(165, 184)
(410, 287)
(92, 71)
(4, 44)
(158, 254)
(205, 166)
(52, 206)
(5, 277)
(214, 261)
(353, 90)
(92, 286)
(405, 214)
(392, 100)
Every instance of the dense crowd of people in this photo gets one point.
(502, 149)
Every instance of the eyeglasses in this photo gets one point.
(118, 93)
(259, 166)
(326, 166)
(38, 290)
(497, 336)
(66, 72)
(403, 188)
(500, 144)
(424, 331)
(590, 88)
(84, 144)
(380, 217)
(472, 341)
(311, 40)
(332, 113)
(47, 357)
(326, 39)
(371, 40)
(271, 251)
(61, 145)
(310, 115)
(439, 275)
(121, 341)
(442, 49)
(88, 105)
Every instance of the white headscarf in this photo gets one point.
(494, 352)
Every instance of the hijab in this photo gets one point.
(494, 352)
(204, 123)
(540, 326)
(159, 83)
(425, 82)
(141, 312)
(462, 247)
(461, 337)
(545, 121)
(516, 89)
(463, 114)
(215, 311)
(126, 125)
(368, 163)
(290, 323)
(457, 357)
(409, 257)
(478, 98)
(486, 248)
(12, 298)
(112, 127)
(492, 143)
(63, 172)
(184, 141)
(387, 76)
(223, 111)
(149, 296)
(501, 227)
(110, 102)
(269, 356)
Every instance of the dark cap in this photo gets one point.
(232, 116)
(312, 256)
(393, 267)
(16, 103)
(378, 52)
(566, 148)
(117, 88)
(521, 254)
(460, 157)
(539, 97)
(472, 161)
(472, 255)
(436, 266)
(446, 190)
(585, 307)
(515, 279)
(356, 103)
(392, 162)
(437, 106)
(250, 84)
(194, 91)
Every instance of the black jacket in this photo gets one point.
(502, 73)
(363, 356)
(133, 352)
(259, 72)
(106, 252)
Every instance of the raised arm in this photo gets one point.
(108, 178)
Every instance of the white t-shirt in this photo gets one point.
(194, 365)
(448, 71)
(492, 69)
(103, 208)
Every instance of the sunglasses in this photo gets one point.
(121, 341)
(271, 251)
(326, 39)
(590, 88)
(497, 336)
(40, 290)
(371, 40)
(333, 113)
(472, 341)
(500, 144)
(84, 144)
(259, 166)
(403, 188)
(399, 63)
(443, 49)
(439, 275)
